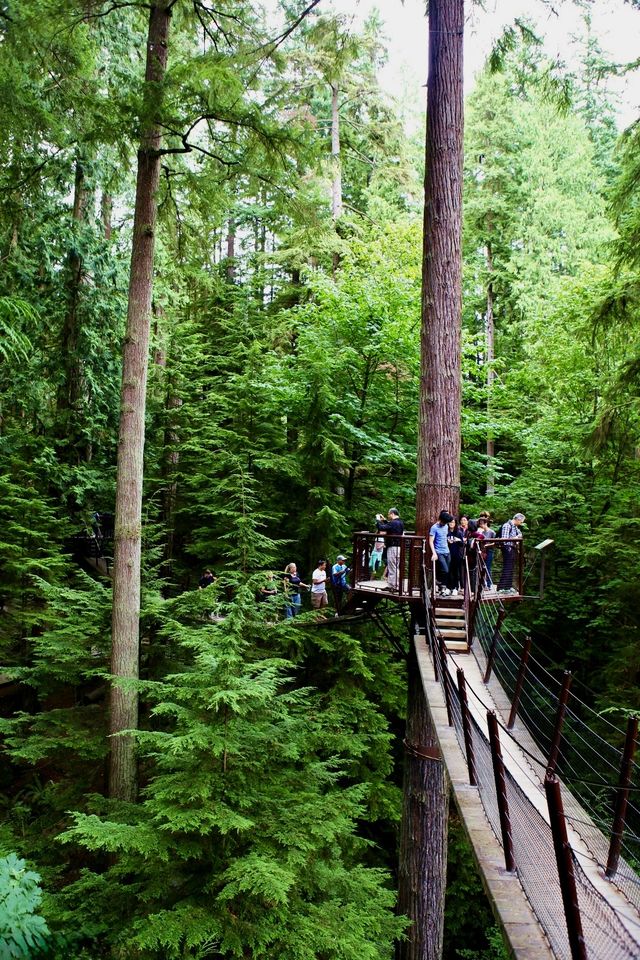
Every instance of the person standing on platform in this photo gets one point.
(393, 529)
(319, 597)
(438, 541)
(455, 539)
(375, 560)
(339, 583)
(292, 584)
(489, 534)
(509, 531)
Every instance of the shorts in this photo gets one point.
(319, 600)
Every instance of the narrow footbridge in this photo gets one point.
(545, 785)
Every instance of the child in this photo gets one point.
(375, 560)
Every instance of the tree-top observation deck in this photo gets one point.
(498, 575)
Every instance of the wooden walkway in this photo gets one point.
(512, 908)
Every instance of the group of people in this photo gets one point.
(452, 540)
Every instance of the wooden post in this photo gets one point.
(622, 796)
(520, 549)
(501, 791)
(566, 873)
(560, 714)
(466, 726)
(526, 650)
(494, 644)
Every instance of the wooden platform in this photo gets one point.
(384, 589)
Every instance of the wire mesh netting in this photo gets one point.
(590, 750)
(583, 751)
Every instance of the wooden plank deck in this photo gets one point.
(504, 895)
(524, 935)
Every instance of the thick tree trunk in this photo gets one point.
(106, 212)
(423, 853)
(230, 268)
(423, 863)
(491, 452)
(438, 479)
(127, 540)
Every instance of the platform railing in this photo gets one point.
(410, 560)
(507, 569)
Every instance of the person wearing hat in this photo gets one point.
(509, 531)
(339, 573)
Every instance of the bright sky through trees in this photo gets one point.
(615, 23)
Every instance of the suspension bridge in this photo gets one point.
(545, 785)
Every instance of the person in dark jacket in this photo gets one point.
(393, 529)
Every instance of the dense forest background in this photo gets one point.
(281, 415)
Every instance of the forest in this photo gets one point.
(236, 790)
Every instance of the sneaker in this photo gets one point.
(454, 593)
(446, 592)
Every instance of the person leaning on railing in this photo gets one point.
(509, 531)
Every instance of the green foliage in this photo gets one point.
(22, 931)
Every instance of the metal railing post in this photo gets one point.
(466, 726)
(526, 650)
(501, 791)
(566, 872)
(622, 796)
(446, 680)
(520, 548)
(563, 699)
(494, 644)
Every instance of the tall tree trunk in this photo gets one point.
(106, 212)
(491, 374)
(127, 539)
(438, 479)
(71, 390)
(423, 862)
(230, 268)
(422, 873)
(336, 167)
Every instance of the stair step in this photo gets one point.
(459, 645)
(449, 621)
(450, 632)
(450, 611)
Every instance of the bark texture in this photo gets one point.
(438, 474)
(423, 845)
(127, 540)
(491, 375)
(423, 834)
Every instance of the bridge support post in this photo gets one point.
(445, 679)
(563, 699)
(422, 868)
(622, 797)
(466, 726)
(494, 644)
(566, 873)
(526, 650)
(501, 791)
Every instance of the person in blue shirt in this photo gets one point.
(339, 573)
(438, 541)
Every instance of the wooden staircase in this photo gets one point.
(451, 623)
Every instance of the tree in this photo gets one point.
(128, 518)
(423, 845)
